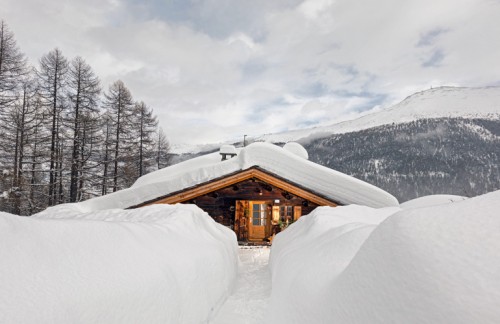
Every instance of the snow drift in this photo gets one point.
(431, 200)
(310, 254)
(157, 264)
(439, 264)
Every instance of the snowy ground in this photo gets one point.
(437, 261)
(437, 264)
(157, 264)
(248, 303)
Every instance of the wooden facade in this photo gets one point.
(254, 203)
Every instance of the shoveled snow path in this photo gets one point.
(249, 301)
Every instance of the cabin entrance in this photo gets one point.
(254, 219)
(259, 224)
(257, 220)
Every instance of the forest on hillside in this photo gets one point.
(456, 156)
(65, 139)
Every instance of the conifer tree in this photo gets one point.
(52, 81)
(12, 70)
(55, 143)
(163, 156)
(145, 125)
(106, 153)
(119, 104)
(12, 66)
(83, 94)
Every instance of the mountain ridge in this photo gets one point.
(439, 102)
(459, 156)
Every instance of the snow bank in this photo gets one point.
(157, 264)
(425, 265)
(310, 254)
(432, 200)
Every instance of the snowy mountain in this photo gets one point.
(443, 102)
(428, 156)
(439, 141)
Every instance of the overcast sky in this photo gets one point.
(215, 70)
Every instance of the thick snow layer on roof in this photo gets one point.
(439, 264)
(329, 183)
(157, 264)
(296, 149)
(227, 149)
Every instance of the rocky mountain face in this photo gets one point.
(427, 156)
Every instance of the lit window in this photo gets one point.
(286, 214)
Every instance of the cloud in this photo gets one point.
(217, 69)
(430, 37)
(435, 59)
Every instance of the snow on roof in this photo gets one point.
(296, 149)
(321, 180)
(228, 149)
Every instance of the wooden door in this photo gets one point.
(260, 220)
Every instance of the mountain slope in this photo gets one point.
(428, 156)
(434, 103)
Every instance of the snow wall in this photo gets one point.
(157, 264)
(439, 264)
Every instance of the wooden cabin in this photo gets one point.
(255, 203)
(257, 190)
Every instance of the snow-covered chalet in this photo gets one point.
(256, 190)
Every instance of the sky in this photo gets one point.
(215, 70)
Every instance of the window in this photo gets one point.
(259, 212)
(286, 214)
